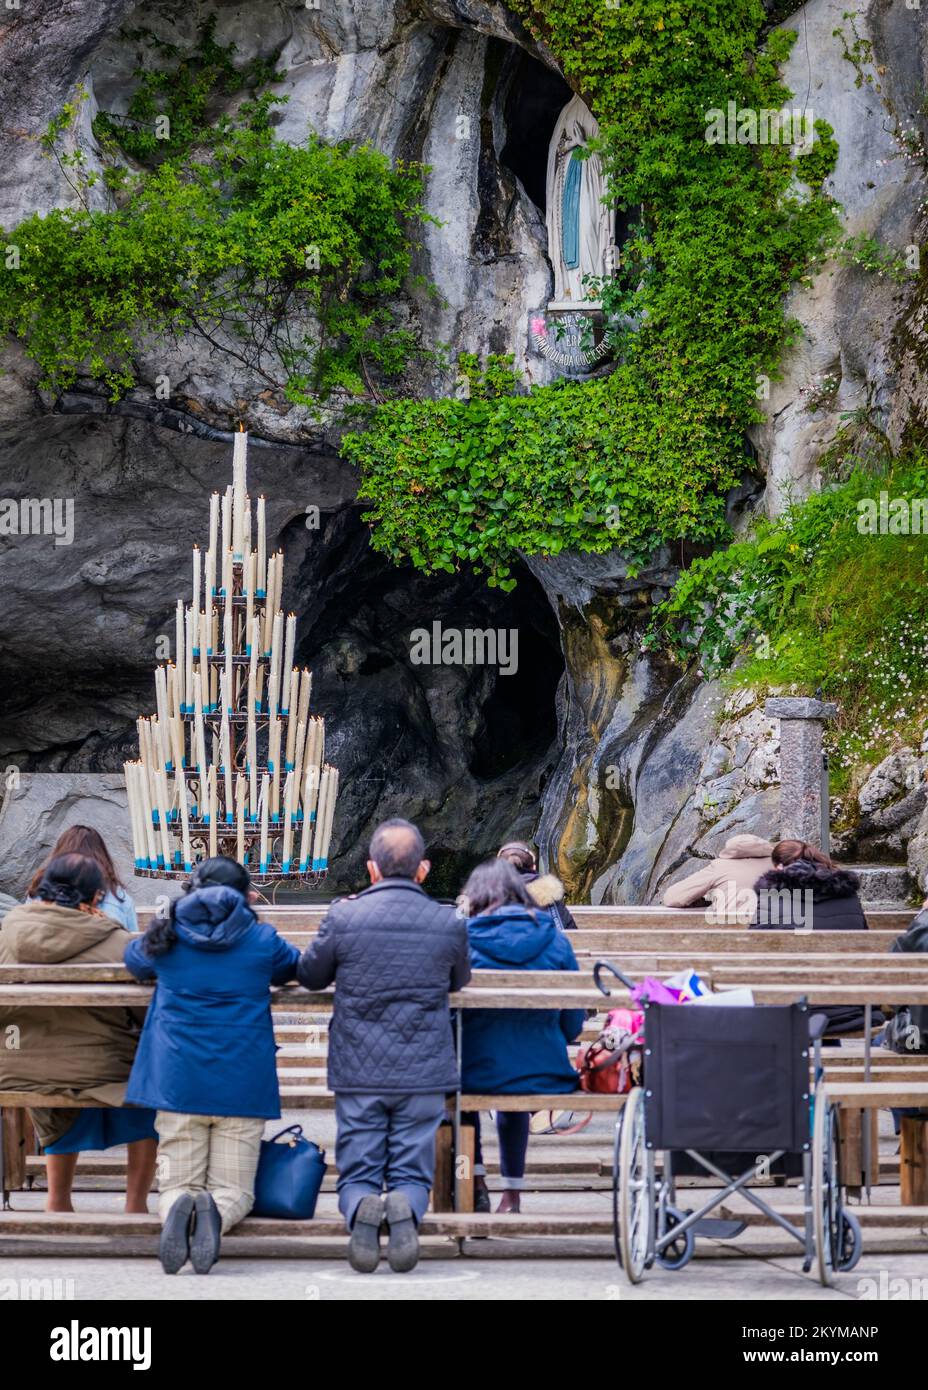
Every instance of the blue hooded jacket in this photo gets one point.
(207, 1047)
(517, 1051)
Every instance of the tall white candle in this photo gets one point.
(177, 724)
(196, 576)
(200, 731)
(226, 536)
(269, 609)
(227, 652)
(241, 791)
(239, 457)
(273, 690)
(309, 798)
(265, 799)
(298, 755)
(289, 645)
(288, 824)
(181, 794)
(292, 704)
(246, 528)
(190, 623)
(306, 682)
(213, 814)
(135, 822)
(252, 754)
(330, 815)
(225, 740)
(210, 589)
(144, 795)
(324, 783)
(180, 655)
(278, 582)
(213, 528)
(261, 574)
(273, 758)
(249, 580)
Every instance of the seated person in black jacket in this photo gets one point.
(807, 891)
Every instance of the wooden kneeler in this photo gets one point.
(18, 1141)
(454, 1173)
(913, 1161)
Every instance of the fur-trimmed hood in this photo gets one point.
(823, 883)
(545, 889)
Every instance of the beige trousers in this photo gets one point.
(208, 1153)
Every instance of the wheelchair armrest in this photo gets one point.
(817, 1025)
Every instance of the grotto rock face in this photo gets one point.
(627, 772)
(862, 343)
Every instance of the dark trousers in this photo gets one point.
(386, 1143)
(512, 1129)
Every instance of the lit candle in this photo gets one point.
(288, 824)
(324, 783)
(265, 797)
(297, 761)
(145, 812)
(330, 816)
(288, 657)
(261, 574)
(196, 576)
(306, 682)
(239, 465)
(278, 582)
(180, 656)
(292, 702)
(161, 702)
(273, 689)
(180, 783)
(211, 690)
(177, 726)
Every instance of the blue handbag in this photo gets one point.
(289, 1176)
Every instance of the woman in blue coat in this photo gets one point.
(207, 1058)
(513, 1051)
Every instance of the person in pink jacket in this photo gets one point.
(727, 882)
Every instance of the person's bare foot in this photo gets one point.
(134, 1209)
(59, 1207)
(510, 1202)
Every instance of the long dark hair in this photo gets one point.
(494, 883)
(69, 880)
(83, 840)
(788, 851)
(209, 873)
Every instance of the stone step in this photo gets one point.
(884, 885)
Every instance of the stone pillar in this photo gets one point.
(802, 723)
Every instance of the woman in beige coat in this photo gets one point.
(86, 1053)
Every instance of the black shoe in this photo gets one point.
(174, 1247)
(207, 1229)
(481, 1197)
(364, 1245)
(403, 1245)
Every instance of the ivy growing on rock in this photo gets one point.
(647, 453)
(290, 260)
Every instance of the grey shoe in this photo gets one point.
(364, 1245)
(207, 1230)
(174, 1247)
(403, 1244)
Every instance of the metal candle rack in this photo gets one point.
(233, 697)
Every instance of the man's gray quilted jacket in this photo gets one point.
(394, 953)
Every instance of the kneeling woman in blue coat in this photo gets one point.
(513, 1051)
(207, 1060)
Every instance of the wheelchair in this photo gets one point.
(721, 1084)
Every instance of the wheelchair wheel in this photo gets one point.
(837, 1232)
(680, 1250)
(633, 1190)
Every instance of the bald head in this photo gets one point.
(397, 850)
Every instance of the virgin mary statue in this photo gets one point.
(580, 239)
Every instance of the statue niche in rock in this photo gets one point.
(580, 241)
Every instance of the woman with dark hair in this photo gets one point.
(87, 1053)
(807, 891)
(513, 1051)
(545, 890)
(83, 840)
(207, 1058)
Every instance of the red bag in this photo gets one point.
(612, 1064)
